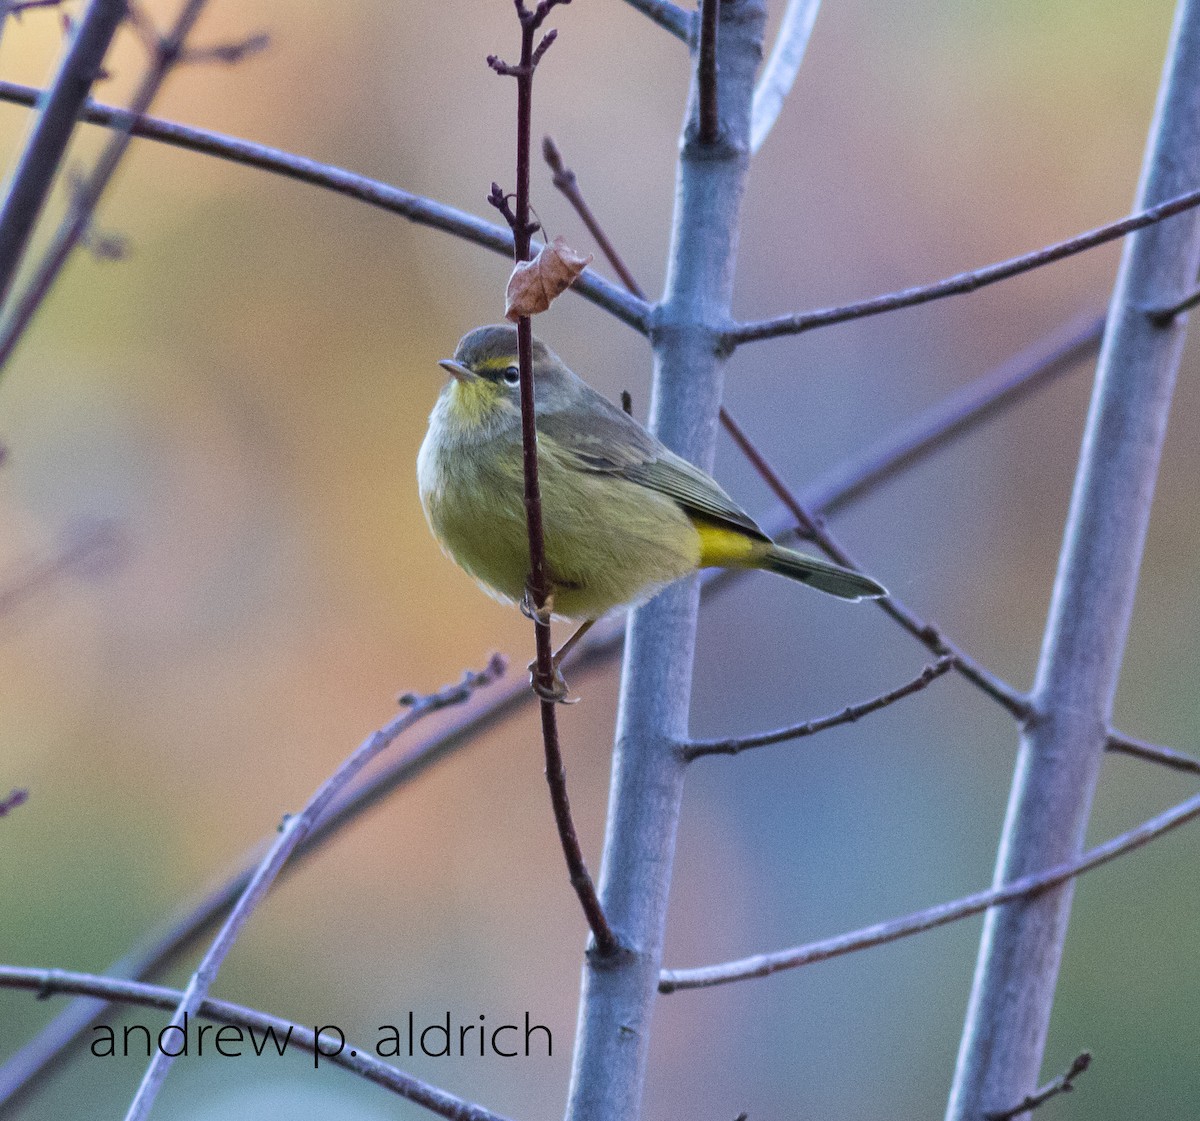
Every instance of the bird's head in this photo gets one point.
(487, 379)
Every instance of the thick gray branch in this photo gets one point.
(678, 21)
(1061, 749)
(613, 1039)
(779, 74)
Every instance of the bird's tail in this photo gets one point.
(822, 575)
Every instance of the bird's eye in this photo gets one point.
(512, 375)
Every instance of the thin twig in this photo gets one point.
(545, 676)
(565, 180)
(1063, 1084)
(291, 833)
(961, 282)
(97, 546)
(230, 54)
(780, 72)
(19, 7)
(166, 56)
(671, 17)
(763, 965)
(928, 634)
(275, 1033)
(696, 748)
(16, 797)
(709, 121)
(422, 211)
(59, 109)
(997, 391)
(1163, 316)
(1167, 756)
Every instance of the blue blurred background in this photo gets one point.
(243, 396)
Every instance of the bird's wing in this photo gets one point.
(613, 443)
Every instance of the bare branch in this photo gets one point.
(90, 547)
(16, 797)
(961, 282)
(781, 69)
(1163, 316)
(928, 634)
(161, 947)
(546, 681)
(991, 394)
(696, 748)
(1059, 760)
(1167, 756)
(565, 180)
(85, 199)
(20, 7)
(358, 1060)
(678, 21)
(59, 109)
(960, 413)
(763, 965)
(709, 124)
(229, 54)
(291, 833)
(422, 211)
(1063, 1084)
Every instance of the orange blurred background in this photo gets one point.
(243, 396)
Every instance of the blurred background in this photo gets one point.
(242, 397)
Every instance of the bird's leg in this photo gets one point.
(567, 646)
(558, 691)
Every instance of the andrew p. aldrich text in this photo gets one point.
(440, 1038)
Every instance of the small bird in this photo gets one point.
(623, 515)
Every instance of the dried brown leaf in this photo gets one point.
(535, 284)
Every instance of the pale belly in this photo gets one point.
(609, 542)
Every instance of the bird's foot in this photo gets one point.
(537, 614)
(556, 692)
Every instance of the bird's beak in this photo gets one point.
(457, 370)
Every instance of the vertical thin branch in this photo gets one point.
(613, 1039)
(58, 110)
(706, 76)
(1061, 748)
(539, 584)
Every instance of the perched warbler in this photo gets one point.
(623, 515)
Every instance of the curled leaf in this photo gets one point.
(535, 284)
